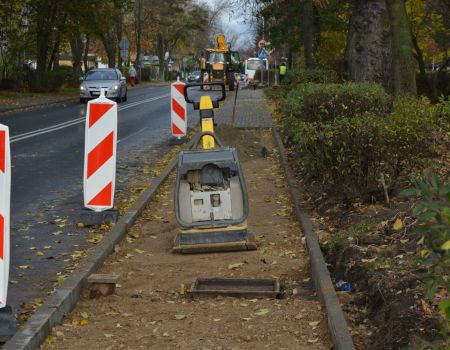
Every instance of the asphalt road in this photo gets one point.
(47, 148)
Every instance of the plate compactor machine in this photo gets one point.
(211, 202)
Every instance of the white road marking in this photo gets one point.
(72, 122)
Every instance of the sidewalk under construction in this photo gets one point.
(152, 307)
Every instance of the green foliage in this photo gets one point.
(349, 154)
(350, 234)
(302, 76)
(324, 102)
(434, 84)
(433, 213)
(53, 81)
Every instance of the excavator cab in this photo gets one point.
(211, 202)
(221, 63)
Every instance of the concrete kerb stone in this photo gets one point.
(65, 297)
(337, 324)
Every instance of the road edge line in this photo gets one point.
(64, 298)
(337, 324)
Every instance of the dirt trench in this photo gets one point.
(152, 308)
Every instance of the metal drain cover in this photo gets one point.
(248, 288)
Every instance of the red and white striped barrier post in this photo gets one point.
(100, 154)
(178, 111)
(5, 197)
(206, 80)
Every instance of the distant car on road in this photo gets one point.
(195, 77)
(111, 79)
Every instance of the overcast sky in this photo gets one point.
(236, 24)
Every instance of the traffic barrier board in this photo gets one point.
(178, 112)
(5, 197)
(100, 154)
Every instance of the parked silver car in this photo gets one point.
(110, 79)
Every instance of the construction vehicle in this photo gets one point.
(221, 63)
(211, 202)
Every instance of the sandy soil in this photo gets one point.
(152, 308)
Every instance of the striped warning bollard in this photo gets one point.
(178, 111)
(5, 196)
(100, 154)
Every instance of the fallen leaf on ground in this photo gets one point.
(398, 225)
(262, 312)
(313, 323)
(235, 266)
(49, 339)
(180, 317)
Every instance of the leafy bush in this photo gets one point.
(433, 213)
(325, 102)
(296, 77)
(52, 81)
(348, 155)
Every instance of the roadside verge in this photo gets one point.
(337, 324)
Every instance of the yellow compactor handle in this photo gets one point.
(207, 123)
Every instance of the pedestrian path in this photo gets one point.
(251, 111)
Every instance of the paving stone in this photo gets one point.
(251, 110)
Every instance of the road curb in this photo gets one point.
(65, 297)
(337, 324)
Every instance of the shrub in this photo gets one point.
(325, 102)
(51, 81)
(433, 214)
(348, 154)
(296, 77)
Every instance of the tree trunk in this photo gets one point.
(86, 53)
(161, 53)
(76, 46)
(110, 47)
(41, 57)
(403, 65)
(138, 29)
(419, 56)
(53, 63)
(119, 29)
(290, 63)
(45, 17)
(368, 52)
(308, 33)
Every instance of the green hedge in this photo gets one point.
(325, 102)
(296, 77)
(348, 154)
